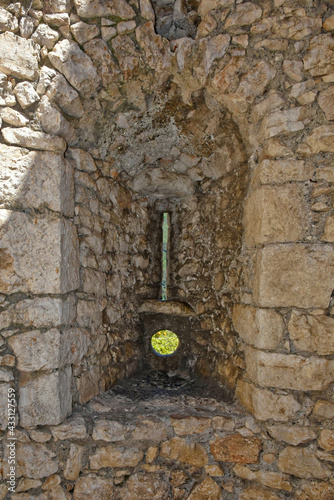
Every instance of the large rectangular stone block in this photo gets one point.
(36, 179)
(294, 275)
(38, 255)
(45, 399)
(268, 217)
(287, 371)
(312, 333)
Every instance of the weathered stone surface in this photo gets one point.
(262, 328)
(74, 462)
(329, 230)
(255, 81)
(206, 490)
(146, 10)
(283, 122)
(109, 430)
(281, 171)
(4, 406)
(312, 333)
(76, 66)
(266, 478)
(84, 32)
(27, 26)
(99, 8)
(53, 122)
(257, 493)
(294, 69)
(326, 102)
(75, 428)
(190, 425)
(36, 179)
(52, 243)
(321, 139)
(7, 97)
(265, 405)
(88, 384)
(326, 440)
(323, 410)
(245, 14)
(211, 49)
(156, 48)
(102, 488)
(127, 55)
(319, 59)
(44, 35)
(35, 461)
(126, 27)
(27, 484)
(8, 22)
(144, 486)
(237, 449)
(32, 139)
(18, 56)
(150, 430)
(13, 117)
(294, 275)
(288, 371)
(316, 490)
(100, 54)
(206, 5)
(81, 159)
(270, 103)
(160, 184)
(178, 449)
(45, 399)
(115, 456)
(292, 434)
(267, 215)
(301, 462)
(40, 436)
(329, 23)
(26, 94)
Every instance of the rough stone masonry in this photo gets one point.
(221, 113)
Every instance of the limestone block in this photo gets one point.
(88, 384)
(255, 81)
(184, 426)
(84, 32)
(75, 428)
(149, 430)
(294, 70)
(7, 97)
(45, 399)
(301, 462)
(316, 490)
(49, 245)
(257, 493)
(281, 171)
(115, 456)
(265, 405)
(102, 487)
(312, 333)
(61, 5)
(321, 139)
(296, 27)
(267, 215)
(211, 49)
(294, 275)
(53, 122)
(283, 122)
(99, 8)
(326, 439)
(329, 230)
(146, 10)
(44, 35)
(81, 159)
(323, 410)
(36, 179)
(292, 434)
(262, 328)
(319, 59)
(18, 56)
(8, 22)
(27, 26)
(329, 23)
(237, 449)
(246, 13)
(178, 449)
(206, 489)
(160, 184)
(156, 48)
(32, 139)
(326, 102)
(107, 68)
(325, 174)
(74, 462)
(59, 91)
(264, 107)
(146, 486)
(287, 371)
(206, 5)
(76, 66)
(109, 430)
(266, 478)
(40, 312)
(35, 461)
(13, 117)
(4, 405)
(25, 94)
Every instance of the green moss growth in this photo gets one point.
(165, 342)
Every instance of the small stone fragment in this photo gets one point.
(13, 117)
(26, 94)
(323, 410)
(8, 22)
(326, 440)
(74, 428)
(294, 70)
(18, 56)
(27, 26)
(246, 13)
(74, 462)
(44, 35)
(206, 490)
(84, 32)
(144, 486)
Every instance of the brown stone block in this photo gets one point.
(237, 449)
(178, 449)
(302, 462)
(207, 490)
(115, 456)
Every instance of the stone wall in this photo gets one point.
(220, 112)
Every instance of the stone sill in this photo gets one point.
(171, 307)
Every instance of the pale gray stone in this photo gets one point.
(319, 59)
(13, 117)
(103, 487)
(27, 26)
(94, 282)
(326, 102)
(74, 462)
(294, 275)
(59, 91)
(7, 97)
(3, 406)
(75, 428)
(6, 375)
(100, 8)
(84, 32)
(76, 66)
(212, 49)
(312, 333)
(45, 78)
(115, 456)
(283, 122)
(62, 5)
(53, 122)
(158, 183)
(107, 68)
(126, 27)
(288, 371)
(246, 13)
(44, 35)
(35, 140)
(109, 430)
(57, 20)
(108, 32)
(35, 460)
(302, 462)
(8, 22)
(156, 48)
(36, 179)
(45, 399)
(26, 94)
(37, 350)
(146, 10)
(292, 434)
(81, 159)
(18, 56)
(50, 244)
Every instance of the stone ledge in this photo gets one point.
(172, 307)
